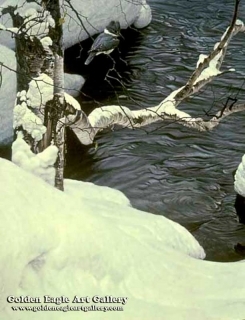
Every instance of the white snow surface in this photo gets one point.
(144, 16)
(46, 42)
(76, 243)
(73, 83)
(7, 94)
(239, 184)
(36, 23)
(41, 164)
(40, 91)
(24, 117)
(126, 12)
(95, 193)
(95, 16)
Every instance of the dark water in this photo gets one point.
(167, 169)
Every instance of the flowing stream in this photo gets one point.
(167, 169)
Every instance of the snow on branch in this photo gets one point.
(208, 67)
(11, 30)
(30, 105)
(36, 20)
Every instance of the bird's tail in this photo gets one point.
(90, 58)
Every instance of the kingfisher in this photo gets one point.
(106, 42)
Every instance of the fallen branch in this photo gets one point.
(208, 67)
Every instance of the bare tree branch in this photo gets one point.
(208, 67)
(218, 48)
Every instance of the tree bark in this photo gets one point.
(58, 103)
(39, 54)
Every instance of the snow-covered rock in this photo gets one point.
(239, 183)
(78, 243)
(239, 186)
(99, 13)
(73, 83)
(7, 94)
(94, 16)
(144, 17)
(6, 37)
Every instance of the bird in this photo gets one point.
(106, 42)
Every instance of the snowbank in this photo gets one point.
(239, 183)
(99, 13)
(7, 94)
(239, 186)
(89, 191)
(94, 15)
(93, 20)
(53, 243)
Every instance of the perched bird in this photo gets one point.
(106, 42)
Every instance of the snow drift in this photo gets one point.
(79, 243)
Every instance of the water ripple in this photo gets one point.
(166, 168)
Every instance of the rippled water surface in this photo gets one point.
(164, 168)
(167, 169)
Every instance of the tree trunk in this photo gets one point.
(39, 54)
(58, 104)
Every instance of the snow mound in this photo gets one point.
(57, 244)
(88, 190)
(41, 164)
(144, 17)
(7, 94)
(73, 84)
(239, 183)
(6, 37)
(135, 12)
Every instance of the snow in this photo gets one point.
(41, 164)
(12, 30)
(144, 16)
(82, 243)
(135, 12)
(40, 91)
(37, 23)
(95, 193)
(7, 94)
(213, 68)
(73, 84)
(24, 117)
(36, 20)
(239, 183)
(6, 37)
(124, 11)
(72, 102)
(46, 42)
(94, 21)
